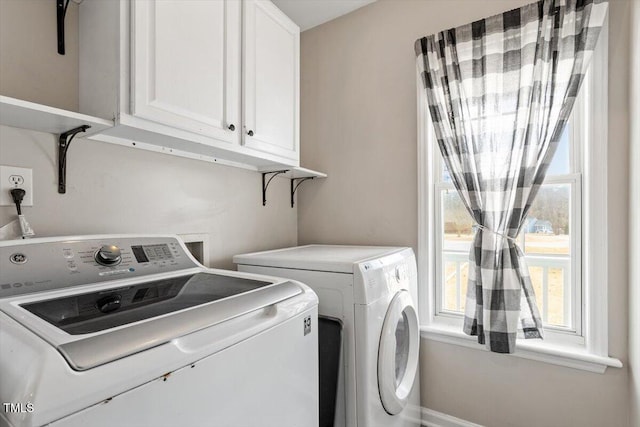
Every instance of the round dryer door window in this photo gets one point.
(398, 353)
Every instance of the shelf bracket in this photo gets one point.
(64, 140)
(61, 12)
(295, 183)
(265, 183)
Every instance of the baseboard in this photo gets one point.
(431, 418)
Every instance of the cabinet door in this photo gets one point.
(271, 80)
(186, 65)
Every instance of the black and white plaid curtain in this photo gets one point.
(500, 91)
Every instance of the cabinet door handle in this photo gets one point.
(232, 127)
(250, 133)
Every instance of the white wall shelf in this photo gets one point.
(42, 118)
(296, 175)
(66, 124)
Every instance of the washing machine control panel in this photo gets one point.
(45, 264)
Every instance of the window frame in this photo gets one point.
(588, 348)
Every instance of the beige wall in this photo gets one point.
(358, 124)
(30, 67)
(113, 189)
(634, 224)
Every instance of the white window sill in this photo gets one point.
(577, 358)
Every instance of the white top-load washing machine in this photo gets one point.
(372, 291)
(132, 331)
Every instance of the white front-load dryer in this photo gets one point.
(372, 292)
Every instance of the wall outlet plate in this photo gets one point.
(15, 177)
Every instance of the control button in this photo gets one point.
(5, 286)
(18, 258)
(72, 266)
(67, 253)
(108, 255)
(17, 285)
(109, 303)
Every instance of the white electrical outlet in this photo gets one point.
(14, 177)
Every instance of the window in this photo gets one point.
(550, 239)
(566, 217)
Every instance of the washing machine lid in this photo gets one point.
(90, 329)
(86, 313)
(331, 258)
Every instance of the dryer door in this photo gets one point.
(398, 353)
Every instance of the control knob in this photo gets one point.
(108, 255)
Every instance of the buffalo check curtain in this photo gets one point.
(499, 92)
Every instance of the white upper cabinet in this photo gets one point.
(212, 79)
(271, 80)
(186, 67)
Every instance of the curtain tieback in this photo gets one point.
(495, 232)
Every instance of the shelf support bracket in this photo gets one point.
(295, 183)
(265, 183)
(61, 12)
(64, 140)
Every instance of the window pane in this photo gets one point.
(456, 276)
(446, 177)
(560, 164)
(457, 230)
(547, 227)
(556, 313)
(546, 237)
(457, 225)
(550, 279)
(546, 241)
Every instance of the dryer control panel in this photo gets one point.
(385, 275)
(38, 265)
